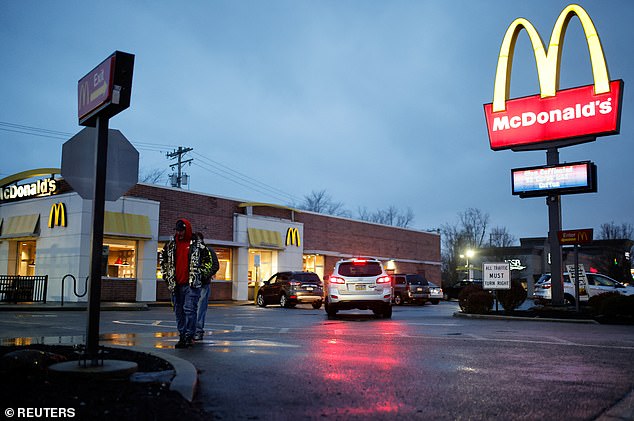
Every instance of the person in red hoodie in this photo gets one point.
(185, 261)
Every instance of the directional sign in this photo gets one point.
(105, 91)
(496, 276)
(572, 237)
(78, 164)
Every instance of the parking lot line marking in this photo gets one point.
(477, 337)
(284, 330)
(561, 341)
(237, 328)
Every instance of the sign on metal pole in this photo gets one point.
(575, 237)
(496, 276)
(78, 164)
(105, 91)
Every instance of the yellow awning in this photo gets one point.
(265, 238)
(127, 225)
(21, 226)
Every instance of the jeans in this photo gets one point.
(185, 300)
(203, 302)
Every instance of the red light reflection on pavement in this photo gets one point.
(358, 366)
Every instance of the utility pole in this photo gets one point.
(178, 154)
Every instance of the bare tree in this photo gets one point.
(612, 231)
(321, 202)
(500, 237)
(474, 225)
(154, 176)
(389, 216)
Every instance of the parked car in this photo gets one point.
(597, 284)
(290, 288)
(359, 283)
(410, 288)
(435, 293)
(454, 290)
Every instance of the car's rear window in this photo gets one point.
(307, 277)
(417, 280)
(360, 269)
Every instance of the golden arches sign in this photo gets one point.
(548, 62)
(292, 237)
(57, 215)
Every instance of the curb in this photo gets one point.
(523, 319)
(185, 378)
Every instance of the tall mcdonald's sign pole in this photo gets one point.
(555, 118)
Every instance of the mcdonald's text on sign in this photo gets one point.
(496, 276)
(573, 237)
(554, 116)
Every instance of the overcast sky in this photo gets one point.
(379, 103)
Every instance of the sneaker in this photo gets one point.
(198, 336)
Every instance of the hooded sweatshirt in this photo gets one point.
(182, 254)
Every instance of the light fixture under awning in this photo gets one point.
(265, 239)
(127, 225)
(21, 226)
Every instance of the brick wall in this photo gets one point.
(118, 290)
(213, 216)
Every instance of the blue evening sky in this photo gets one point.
(378, 102)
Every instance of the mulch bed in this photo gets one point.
(27, 383)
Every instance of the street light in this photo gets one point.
(468, 254)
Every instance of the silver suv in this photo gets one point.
(359, 283)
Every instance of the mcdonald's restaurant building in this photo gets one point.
(48, 232)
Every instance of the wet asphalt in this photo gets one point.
(424, 363)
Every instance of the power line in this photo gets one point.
(207, 164)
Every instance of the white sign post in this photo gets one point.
(496, 276)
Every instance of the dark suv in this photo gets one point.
(409, 288)
(290, 288)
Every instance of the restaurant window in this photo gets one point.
(224, 258)
(121, 258)
(26, 258)
(314, 263)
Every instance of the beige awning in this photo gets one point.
(21, 226)
(265, 239)
(127, 225)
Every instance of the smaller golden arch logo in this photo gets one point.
(57, 215)
(292, 237)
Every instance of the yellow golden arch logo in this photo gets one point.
(292, 237)
(57, 215)
(548, 62)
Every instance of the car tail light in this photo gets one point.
(384, 280)
(337, 280)
(294, 283)
(546, 286)
(359, 261)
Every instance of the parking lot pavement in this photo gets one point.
(239, 330)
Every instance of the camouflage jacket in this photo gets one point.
(199, 263)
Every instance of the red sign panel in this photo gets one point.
(95, 89)
(572, 237)
(572, 113)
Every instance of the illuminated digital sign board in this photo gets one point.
(571, 178)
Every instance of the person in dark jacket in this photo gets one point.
(185, 261)
(205, 290)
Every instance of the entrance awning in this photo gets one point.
(127, 225)
(21, 226)
(265, 239)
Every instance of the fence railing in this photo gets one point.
(16, 288)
